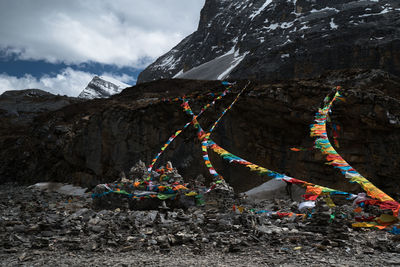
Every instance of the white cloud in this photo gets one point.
(120, 32)
(68, 82)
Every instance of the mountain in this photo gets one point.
(281, 39)
(102, 87)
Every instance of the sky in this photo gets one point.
(58, 45)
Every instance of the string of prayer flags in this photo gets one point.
(204, 138)
(227, 109)
(298, 149)
(395, 231)
(335, 134)
(381, 222)
(172, 138)
(149, 190)
(318, 130)
(313, 191)
(201, 135)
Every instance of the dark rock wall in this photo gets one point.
(94, 141)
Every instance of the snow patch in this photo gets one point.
(283, 25)
(386, 9)
(273, 27)
(288, 41)
(261, 9)
(286, 25)
(333, 25)
(392, 118)
(217, 69)
(169, 62)
(305, 27)
(114, 81)
(324, 9)
(179, 73)
(237, 59)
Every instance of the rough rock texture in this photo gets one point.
(102, 87)
(92, 142)
(48, 229)
(270, 39)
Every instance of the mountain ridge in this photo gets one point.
(280, 39)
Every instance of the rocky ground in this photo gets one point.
(40, 228)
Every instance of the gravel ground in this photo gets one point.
(183, 256)
(48, 229)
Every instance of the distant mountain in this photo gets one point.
(31, 101)
(20, 107)
(102, 87)
(281, 39)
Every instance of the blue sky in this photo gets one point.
(58, 45)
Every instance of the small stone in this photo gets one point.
(152, 242)
(19, 228)
(96, 228)
(130, 239)
(149, 232)
(234, 248)
(47, 233)
(369, 251)
(127, 248)
(94, 221)
(321, 247)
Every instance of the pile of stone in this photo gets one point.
(106, 197)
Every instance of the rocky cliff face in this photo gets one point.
(280, 39)
(94, 141)
(102, 87)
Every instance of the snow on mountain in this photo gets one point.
(102, 87)
(114, 81)
(281, 39)
(216, 69)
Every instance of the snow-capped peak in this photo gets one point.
(114, 81)
(102, 87)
